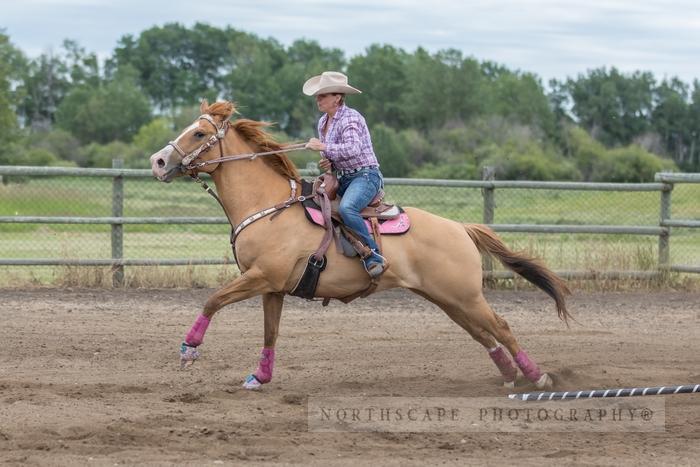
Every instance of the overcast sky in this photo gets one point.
(554, 39)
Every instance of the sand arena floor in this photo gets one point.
(91, 377)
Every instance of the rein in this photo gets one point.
(251, 156)
(188, 159)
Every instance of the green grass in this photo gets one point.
(91, 197)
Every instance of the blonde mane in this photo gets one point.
(254, 132)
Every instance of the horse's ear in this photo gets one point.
(203, 106)
(228, 110)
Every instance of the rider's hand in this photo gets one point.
(315, 145)
(325, 165)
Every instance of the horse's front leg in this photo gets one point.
(272, 307)
(247, 285)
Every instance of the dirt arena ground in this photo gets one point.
(90, 377)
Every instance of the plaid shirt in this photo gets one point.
(348, 144)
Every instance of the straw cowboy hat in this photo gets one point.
(329, 82)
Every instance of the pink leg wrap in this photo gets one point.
(504, 364)
(527, 366)
(267, 362)
(196, 334)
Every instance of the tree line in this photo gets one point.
(438, 115)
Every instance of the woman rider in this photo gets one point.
(346, 147)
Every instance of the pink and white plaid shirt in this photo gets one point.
(348, 143)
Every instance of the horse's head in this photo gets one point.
(194, 142)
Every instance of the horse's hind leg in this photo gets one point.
(503, 362)
(460, 315)
(481, 314)
(272, 307)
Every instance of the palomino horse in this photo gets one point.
(438, 259)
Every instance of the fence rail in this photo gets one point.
(664, 185)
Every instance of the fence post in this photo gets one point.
(117, 229)
(488, 173)
(665, 237)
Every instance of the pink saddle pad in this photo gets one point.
(395, 226)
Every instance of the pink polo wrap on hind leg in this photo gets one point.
(265, 366)
(196, 334)
(527, 366)
(504, 363)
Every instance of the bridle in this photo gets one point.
(220, 132)
(188, 164)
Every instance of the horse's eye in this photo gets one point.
(199, 135)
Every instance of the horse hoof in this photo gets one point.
(509, 384)
(251, 383)
(188, 355)
(545, 382)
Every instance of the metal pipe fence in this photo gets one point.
(73, 202)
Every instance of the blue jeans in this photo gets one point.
(358, 190)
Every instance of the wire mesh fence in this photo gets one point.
(92, 197)
(597, 252)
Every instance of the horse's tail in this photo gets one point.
(530, 268)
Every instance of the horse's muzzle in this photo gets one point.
(164, 166)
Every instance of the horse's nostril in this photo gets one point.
(161, 163)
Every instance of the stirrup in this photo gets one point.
(375, 269)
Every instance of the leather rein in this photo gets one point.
(220, 132)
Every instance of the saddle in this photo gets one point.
(321, 208)
(381, 218)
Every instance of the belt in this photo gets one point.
(342, 173)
